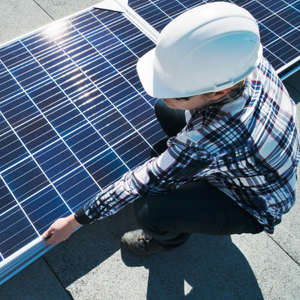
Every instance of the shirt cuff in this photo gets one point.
(81, 217)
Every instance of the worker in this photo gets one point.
(229, 165)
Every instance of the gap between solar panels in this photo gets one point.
(74, 116)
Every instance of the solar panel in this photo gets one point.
(74, 116)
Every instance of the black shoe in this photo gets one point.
(140, 243)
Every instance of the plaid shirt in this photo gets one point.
(247, 147)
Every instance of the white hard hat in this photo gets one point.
(207, 49)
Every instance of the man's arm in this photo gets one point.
(174, 167)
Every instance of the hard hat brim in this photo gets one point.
(150, 80)
(156, 87)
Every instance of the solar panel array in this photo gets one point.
(74, 116)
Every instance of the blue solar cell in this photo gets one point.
(80, 51)
(65, 118)
(277, 25)
(140, 45)
(7, 201)
(106, 168)
(266, 35)
(72, 82)
(36, 134)
(44, 207)
(38, 44)
(29, 74)
(86, 143)
(154, 16)
(25, 179)
(121, 58)
(274, 6)
(133, 150)
(98, 70)
(296, 5)
(55, 62)
(283, 50)
(130, 32)
(293, 38)
(14, 55)
(93, 103)
(148, 98)
(76, 188)
(63, 33)
(117, 89)
(11, 149)
(276, 62)
(152, 133)
(84, 23)
(138, 3)
(132, 77)
(47, 95)
(15, 231)
(291, 15)
(171, 7)
(18, 110)
(56, 160)
(137, 111)
(8, 86)
(2, 68)
(259, 12)
(107, 17)
(113, 127)
(102, 39)
(291, 1)
(192, 3)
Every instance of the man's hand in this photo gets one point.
(60, 230)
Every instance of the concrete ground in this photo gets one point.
(91, 265)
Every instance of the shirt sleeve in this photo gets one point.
(176, 166)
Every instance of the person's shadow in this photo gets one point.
(206, 267)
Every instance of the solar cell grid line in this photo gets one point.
(56, 103)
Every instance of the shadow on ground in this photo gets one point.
(206, 267)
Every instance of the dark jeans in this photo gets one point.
(197, 207)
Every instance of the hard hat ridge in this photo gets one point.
(209, 48)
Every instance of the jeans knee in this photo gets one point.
(141, 212)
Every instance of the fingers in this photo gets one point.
(47, 233)
(48, 236)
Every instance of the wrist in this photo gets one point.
(81, 217)
(72, 221)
